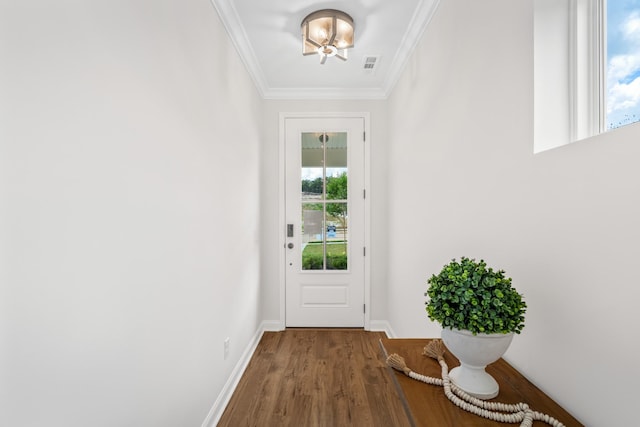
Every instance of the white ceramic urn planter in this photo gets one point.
(475, 352)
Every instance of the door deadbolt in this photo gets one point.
(290, 245)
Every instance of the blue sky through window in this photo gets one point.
(623, 62)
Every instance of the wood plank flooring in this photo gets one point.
(316, 378)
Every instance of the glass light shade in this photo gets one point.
(327, 33)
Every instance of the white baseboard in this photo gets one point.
(273, 326)
(382, 326)
(227, 391)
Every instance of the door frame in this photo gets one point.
(282, 214)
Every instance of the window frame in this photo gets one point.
(587, 68)
(570, 71)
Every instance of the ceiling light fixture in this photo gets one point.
(327, 32)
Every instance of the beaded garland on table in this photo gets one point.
(496, 411)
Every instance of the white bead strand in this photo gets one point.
(496, 411)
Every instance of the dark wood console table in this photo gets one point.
(427, 405)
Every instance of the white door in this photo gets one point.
(325, 227)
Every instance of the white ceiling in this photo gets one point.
(266, 33)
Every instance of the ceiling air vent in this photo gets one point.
(370, 63)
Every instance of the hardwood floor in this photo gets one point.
(316, 377)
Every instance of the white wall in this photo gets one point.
(270, 223)
(563, 223)
(129, 233)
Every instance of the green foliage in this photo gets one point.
(313, 254)
(337, 211)
(337, 262)
(468, 295)
(314, 262)
(337, 187)
(312, 186)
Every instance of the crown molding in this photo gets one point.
(324, 93)
(232, 23)
(416, 28)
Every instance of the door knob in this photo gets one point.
(290, 245)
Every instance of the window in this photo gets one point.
(586, 68)
(623, 63)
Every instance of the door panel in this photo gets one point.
(324, 162)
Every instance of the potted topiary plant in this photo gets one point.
(479, 312)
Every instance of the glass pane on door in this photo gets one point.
(324, 186)
(336, 161)
(313, 247)
(337, 235)
(312, 173)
